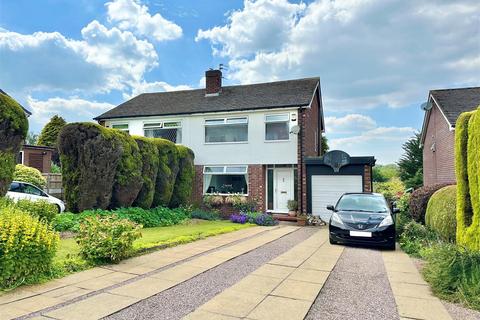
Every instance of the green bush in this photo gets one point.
(48, 136)
(66, 222)
(205, 215)
(30, 175)
(403, 217)
(41, 209)
(167, 172)
(128, 178)
(13, 131)
(150, 163)
(106, 239)
(454, 274)
(183, 188)
(419, 201)
(89, 154)
(27, 247)
(441, 213)
(392, 189)
(415, 238)
(467, 165)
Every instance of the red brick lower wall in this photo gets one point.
(367, 179)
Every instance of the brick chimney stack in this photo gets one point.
(213, 82)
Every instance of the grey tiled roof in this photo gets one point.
(280, 94)
(455, 101)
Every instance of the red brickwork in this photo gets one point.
(439, 163)
(367, 179)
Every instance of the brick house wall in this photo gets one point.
(438, 165)
(38, 158)
(309, 146)
(367, 179)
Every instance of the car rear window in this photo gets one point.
(15, 187)
(362, 202)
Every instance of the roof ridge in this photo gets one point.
(451, 89)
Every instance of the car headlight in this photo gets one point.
(336, 221)
(388, 221)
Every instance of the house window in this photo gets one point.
(225, 179)
(122, 127)
(226, 130)
(170, 130)
(277, 127)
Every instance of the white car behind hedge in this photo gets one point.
(23, 190)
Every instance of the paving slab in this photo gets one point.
(299, 290)
(309, 275)
(233, 303)
(279, 308)
(143, 288)
(427, 309)
(66, 293)
(35, 303)
(205, 315)
(274, 271)
(257, 284)
(9, 312)
(105, 281)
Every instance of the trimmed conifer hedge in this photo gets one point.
(13, 130)
(167, 172)
(150, 162)
(183, 188)
(467, 165)
(441, 213)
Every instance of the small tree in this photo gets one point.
(31, 139)
(325, 147)
(410, 164)
(48, 136)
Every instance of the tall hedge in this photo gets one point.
(13, 131)
(150, 163)
(467, 163)
(441, 213)
(167, 172)
(184, 183)
(89, 154)
(128, 178)
(48, 136)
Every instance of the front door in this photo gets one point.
(283, 188)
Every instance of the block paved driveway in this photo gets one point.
(282, 272)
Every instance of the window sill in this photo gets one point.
(276, 141)
(219, 143)
(226, 194)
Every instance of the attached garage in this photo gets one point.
(334, 174)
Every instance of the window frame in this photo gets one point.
(225, 172)
(276, 121)
(224, 123)
(127, 130)
(161, 125)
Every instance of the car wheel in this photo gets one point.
(391, 246)
(59, 210)
(332, 241)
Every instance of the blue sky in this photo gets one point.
(377, 59)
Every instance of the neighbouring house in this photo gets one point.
(442, 110)
(248, 139)
(39, 157)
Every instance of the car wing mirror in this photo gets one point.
(395, 210)
(330, 207)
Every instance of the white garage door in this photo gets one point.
(328, 189)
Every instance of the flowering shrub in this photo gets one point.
(239, 218)
(107, 239)
(30, 175)
(265, 219)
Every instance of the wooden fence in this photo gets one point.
(54, 184)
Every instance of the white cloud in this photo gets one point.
(72, 109)
(368, 53)
(383, 142)
(157, 86)
(349, 123)
(103, 60)
(131, 15)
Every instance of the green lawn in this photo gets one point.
(164, 236)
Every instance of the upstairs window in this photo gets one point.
(225, 179)
(277, 127)
(121, 127)
(170, 130)
(226, 130)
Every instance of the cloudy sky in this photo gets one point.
(377, 59)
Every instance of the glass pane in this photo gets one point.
(175, 124)
(152, 125)
(236, 120)
(227, 133)
(214, 121)
(239, 169)
(270, 189)
(225, 183)
(213, 169)
(120, 126)
(276, 117)
(15, 187)
(174, 135)
(277, 131)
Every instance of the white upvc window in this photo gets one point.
(170, 130)
(226, 130)
(225, 179)
(277, 127)
(121, 127)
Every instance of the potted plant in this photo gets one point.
(292, 206)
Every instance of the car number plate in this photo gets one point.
(360, 234)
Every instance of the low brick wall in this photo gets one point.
(54, 184)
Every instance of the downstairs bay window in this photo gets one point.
(225, 180)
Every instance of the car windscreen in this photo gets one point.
(362, 203)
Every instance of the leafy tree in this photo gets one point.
(48, 136)
(383, 173)
(410, 164)
(31, 138)
(325, 146)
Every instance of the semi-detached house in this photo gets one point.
(248, 139)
